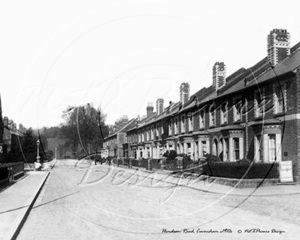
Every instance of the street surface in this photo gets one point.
(114, 203)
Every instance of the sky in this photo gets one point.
(122, 55)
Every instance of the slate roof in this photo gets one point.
(239, 80)
(128, 126)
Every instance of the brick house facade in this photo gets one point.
(252, 114)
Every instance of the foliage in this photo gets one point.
(172, 155)
(52, 132)
(166, 154)
(211, 158)
(84, 129)
(237, 170)
(29, 144)
(49, 155)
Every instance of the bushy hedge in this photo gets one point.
(238, 169)
(211, 158)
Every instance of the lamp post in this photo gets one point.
(37, 150)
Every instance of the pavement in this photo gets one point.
(201, 184)
(17, 200)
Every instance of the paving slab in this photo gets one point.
(16, 202)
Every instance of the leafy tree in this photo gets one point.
(52, 132)
(29, 143)
(49, 154)
(22, 129)
(84, 129)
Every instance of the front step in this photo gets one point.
(286, 183)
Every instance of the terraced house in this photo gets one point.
(252, 114)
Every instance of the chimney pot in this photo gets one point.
(159, 106)
(184, 92)
(219, 75)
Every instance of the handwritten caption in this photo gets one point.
(225, 230)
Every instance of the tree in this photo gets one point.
(84, 129)
(22, 129)
(29, 144)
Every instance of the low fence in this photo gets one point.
(156, 164)
(237, 170)
(10, 172)
(19, 157)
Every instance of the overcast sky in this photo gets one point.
(120, 55)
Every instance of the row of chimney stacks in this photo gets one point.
(184, 97)
(278, 50)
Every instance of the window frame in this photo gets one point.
(183, 124)
(224, 120)
(170, 126)
(261, 105)
(176, 127)
(202, 119)
(272, 149)
(238, 100)
(282, 93)
(235, 149)
(259, 148)
(212, 123)
(190, 123)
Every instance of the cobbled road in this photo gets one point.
(105, 202)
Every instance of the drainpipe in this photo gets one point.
(246, 130)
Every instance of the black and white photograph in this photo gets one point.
(149, 119)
